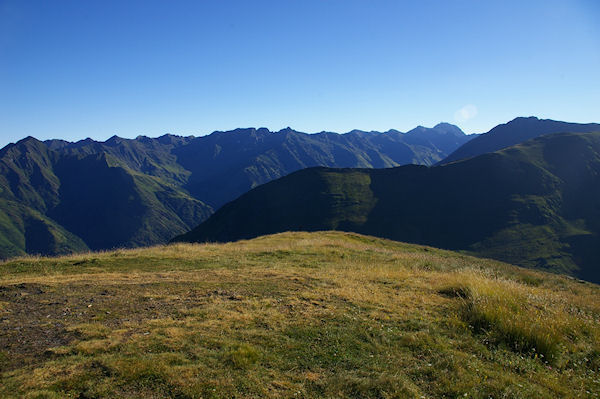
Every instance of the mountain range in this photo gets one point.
(534, 204)
(60, 197)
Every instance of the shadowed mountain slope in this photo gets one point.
(534, 204)
(24, 230)
(85, 201)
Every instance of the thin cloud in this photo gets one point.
(465, 113)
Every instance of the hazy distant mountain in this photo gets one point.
(225, 165)
(59, 197)
(536, 204)
(514, 132)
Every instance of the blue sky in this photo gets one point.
(77, 69)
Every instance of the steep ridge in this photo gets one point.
(24, 230)
(74, 202)
(514, 132)
(534, 204)
(225, 165)
(108, 205)
(127, 193)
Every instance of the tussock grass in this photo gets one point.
(323, 314)
(242, 356)
(526, 321)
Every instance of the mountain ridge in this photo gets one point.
(143, 191)
(514, 132)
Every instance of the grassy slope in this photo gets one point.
(324, 314)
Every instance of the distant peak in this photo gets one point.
(172, 139)
(446, 128)
(531, 118)
(441, 128)
(286, 130)
(114, 140)
(26, 144)
(27, 139)
(29, 142)
(523, 119)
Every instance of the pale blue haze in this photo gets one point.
(73, 69)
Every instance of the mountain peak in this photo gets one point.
(28, 139)
(286, 130)
(30, 142)
(445, 125)
(417, 130)
(524, 121)
(441, 128)
(87, 140)
(525, 118)
(448, 128)
(169, 139)
(114, 140)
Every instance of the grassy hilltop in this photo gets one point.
(298, 315)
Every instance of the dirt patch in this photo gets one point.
(38, 317)
(30, 323)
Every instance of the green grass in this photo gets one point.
(297, 315)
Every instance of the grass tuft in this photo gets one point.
(509, 314)
(242, 356)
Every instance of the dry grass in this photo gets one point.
(294, 315)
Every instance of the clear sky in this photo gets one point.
(77, 69)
